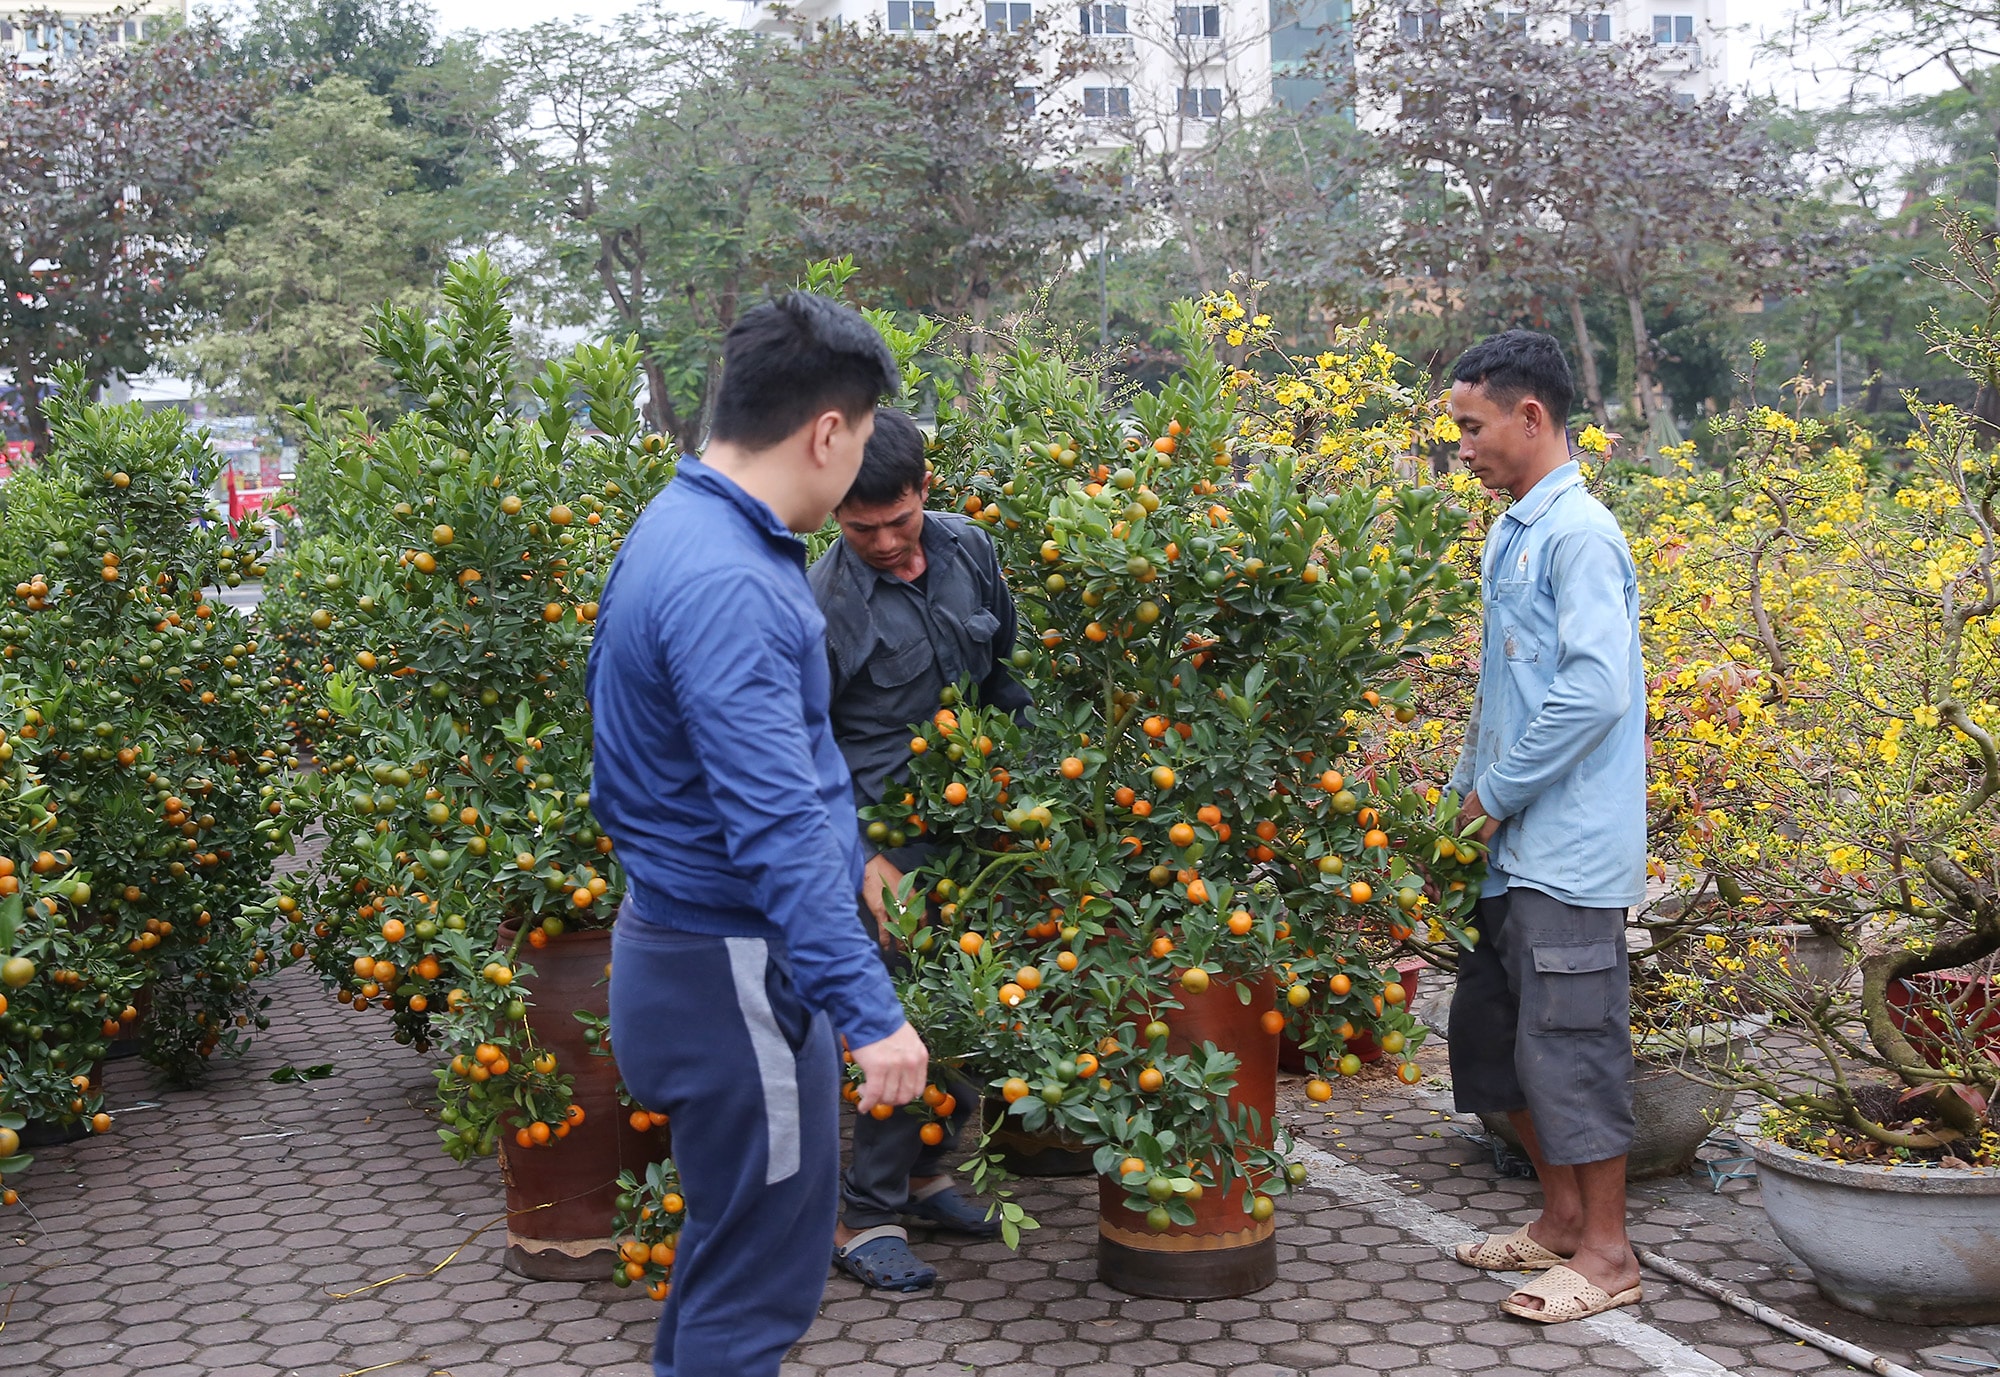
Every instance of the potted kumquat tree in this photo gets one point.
(465, 889)
(1187, 850)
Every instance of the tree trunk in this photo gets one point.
(27, 381)
(1586, 354)
(661, 418)
(1642, 359)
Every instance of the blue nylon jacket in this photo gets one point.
(1557, 743)
(715, 769)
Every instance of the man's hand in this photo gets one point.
(893, 1069)
(1472, 809)
(881, 874)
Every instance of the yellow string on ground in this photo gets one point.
(452, 1256)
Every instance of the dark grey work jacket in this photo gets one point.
(893, 648)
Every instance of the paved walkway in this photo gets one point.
(243, 1230)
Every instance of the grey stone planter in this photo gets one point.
(1817, 962)
(1672, 1114)
(1917, 1245)
(1821, 960)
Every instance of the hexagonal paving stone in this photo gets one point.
(251, 1229)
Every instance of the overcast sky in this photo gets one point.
(490, 15)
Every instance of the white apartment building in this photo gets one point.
(77, 24)
(1693, 34)
(1165, 72)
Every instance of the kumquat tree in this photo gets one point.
(1826, 705)
(453, 735)
(1216, 618)
(138, 719)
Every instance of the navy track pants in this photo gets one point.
(711, 1032)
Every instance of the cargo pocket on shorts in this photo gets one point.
(1577, 985)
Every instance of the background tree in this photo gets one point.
(313, 221)
(642, 165)
(1882, 44)
(99, 169)
(947, 168)
(1511, 173)
(374, 41)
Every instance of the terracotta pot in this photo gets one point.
(1408, 971)
(1224, 1252)
(559, 1197)
(1919, 1005)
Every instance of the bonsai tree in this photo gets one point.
(1826, 704)
(1193, 803)
(148, 709)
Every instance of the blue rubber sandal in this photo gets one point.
(938, 1204)
(881, 1258)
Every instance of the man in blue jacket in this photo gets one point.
(1554, 768)
(736, 957)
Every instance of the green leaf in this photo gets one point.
(286, 1075)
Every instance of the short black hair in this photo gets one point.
(1520, 363)
(789, 360)
(892, 464)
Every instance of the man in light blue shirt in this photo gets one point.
(1554, 766)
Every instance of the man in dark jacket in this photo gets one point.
(915, 603)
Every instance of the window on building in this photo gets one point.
(1198, 21)
(6, 32)
(1200, 104)
(1421, 24)
(1673, 28)
(1008, 16)
(131, 31)
(1502, 21)
(1107, 102)
(1308, 37)
(1590, 28)
(1103, 19)
(1024, 99)
(912, 16)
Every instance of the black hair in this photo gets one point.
(892, 464)
(1520, 363)
(789, 360)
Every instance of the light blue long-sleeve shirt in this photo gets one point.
(1557, 743)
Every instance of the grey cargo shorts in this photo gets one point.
(1541, 1021)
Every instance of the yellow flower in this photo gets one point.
(1594, 440)
(1234, 337)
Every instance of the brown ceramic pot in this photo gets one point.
(1224, 1252)
(559, 1197)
